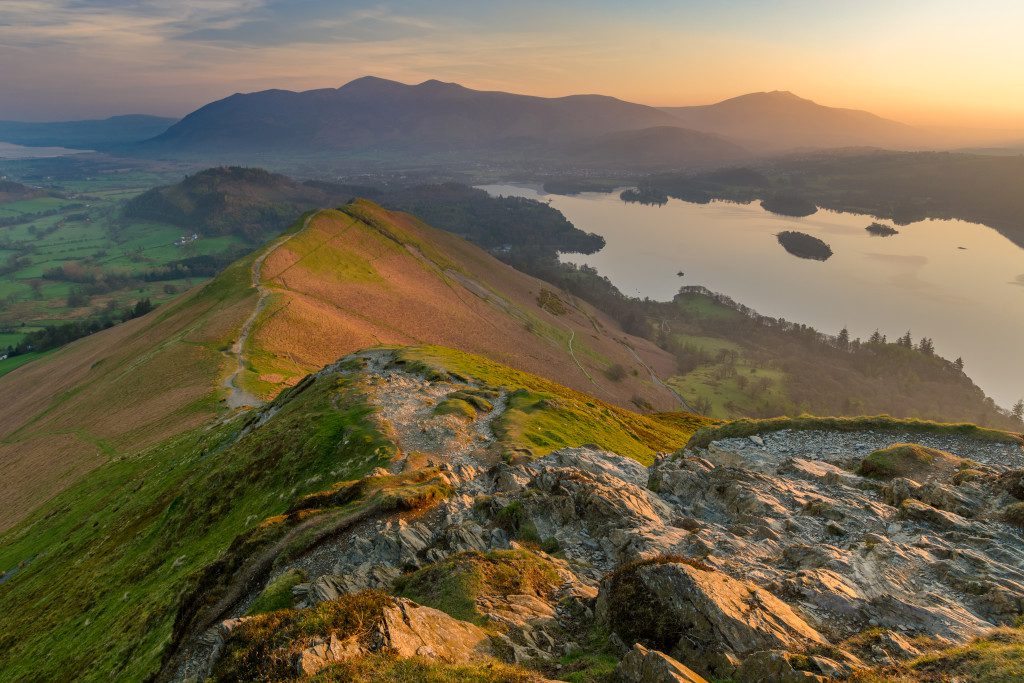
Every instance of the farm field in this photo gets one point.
(72, 255)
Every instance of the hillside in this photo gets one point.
(377, 114)
(249, 202)
(11, 191)
(351, 278)
(91, 134)
(780, 120)
(425, 514)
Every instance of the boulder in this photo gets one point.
(412, 630)
(641, 665)
(406, 629)
(707, 618)
(778, 666)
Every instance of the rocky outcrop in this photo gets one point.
(641, 665)
(406, 630)
(713, 619)
(746, 559)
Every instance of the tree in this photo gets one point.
(1018, 410)
(843, 340)
(905, 340)
(959, 364)
(926, 346)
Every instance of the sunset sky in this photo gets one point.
(929, 62)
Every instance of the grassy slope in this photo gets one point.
(350, 280)
(116, 392)
(542, 416)
(98, 571)
(364, 276)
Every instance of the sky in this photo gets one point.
(924, 62)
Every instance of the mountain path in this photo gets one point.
(238, 397)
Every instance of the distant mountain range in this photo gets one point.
(89, 134)
(780, 120)
(392, 120)
(381, 116)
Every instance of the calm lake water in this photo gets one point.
(11, 151)
(960, 283)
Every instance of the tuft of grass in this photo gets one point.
(263, 647)
(278, 593)
(457, 407)
(454, 585)
(749, 427)
(906, 460)
(997, 657)
(1014, 514)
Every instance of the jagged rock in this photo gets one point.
(322, 654)
(406, 630)
(714, 617)
(411, 630)
(922, 512)
(778, 666)
(641, 665)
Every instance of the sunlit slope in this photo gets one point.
(363, 276)
(116, 392)
(95, 579)
(342, 280)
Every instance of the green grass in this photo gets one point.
(262, 648)
(542, 416)
(905, 460)
(278, 593)
(16, 362)
(701, 306)
(454, 585)
(457, 407)
(107, 562)
(730, 396)
(748, 427)
(997, 657)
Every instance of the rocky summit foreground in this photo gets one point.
(792, 555)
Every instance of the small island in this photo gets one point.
(789, 204)
(644, 195)
(804, 245)
(881, 230)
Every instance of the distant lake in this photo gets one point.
(960, 283)
(11, 151)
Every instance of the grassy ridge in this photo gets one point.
(542, 416)
(747, 427)
(98, 571)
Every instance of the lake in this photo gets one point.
(962, 284)
(9, 150)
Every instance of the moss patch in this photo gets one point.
(263, 648)
(907, 460)
(453, 586)
(885, 423)
(1014, 514)
(278, 593)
